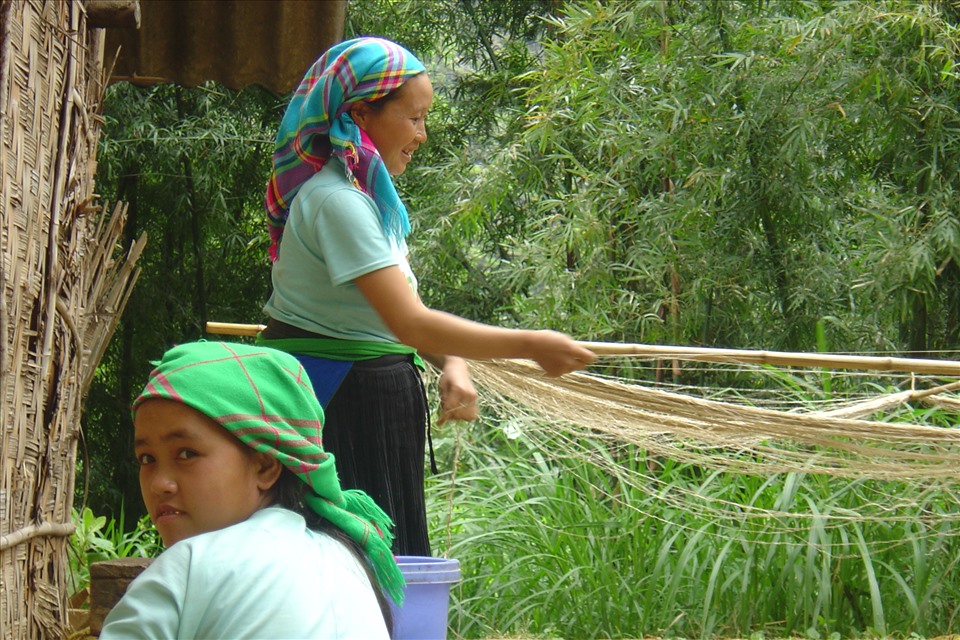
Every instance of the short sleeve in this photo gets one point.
(266, 577)
(350, 236)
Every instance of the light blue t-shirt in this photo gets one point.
(332, 236)
(266, 577)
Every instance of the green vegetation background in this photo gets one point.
(765, 174)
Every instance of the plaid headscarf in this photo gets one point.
(264, 398)
(317, 124)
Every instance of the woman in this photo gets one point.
(344, 297)
(261, 540)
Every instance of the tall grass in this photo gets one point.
(592, 540)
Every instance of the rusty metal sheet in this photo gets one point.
(234, 42)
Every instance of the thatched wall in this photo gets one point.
(62, 290)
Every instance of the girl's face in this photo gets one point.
(397, 127)
(195, 476)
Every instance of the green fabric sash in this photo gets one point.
(336, 349)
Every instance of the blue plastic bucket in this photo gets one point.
(423, 615)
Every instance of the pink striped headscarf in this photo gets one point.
(317, 124)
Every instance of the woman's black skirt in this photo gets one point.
(376, 427)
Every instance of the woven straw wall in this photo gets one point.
(63, 287)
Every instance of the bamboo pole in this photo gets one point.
(233, 329)
(782, 358)
(707, 354)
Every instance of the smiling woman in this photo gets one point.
(396, 123)
(345, 299)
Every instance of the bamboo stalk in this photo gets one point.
(707, 354)
(234, 329)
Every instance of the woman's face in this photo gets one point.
(397, 127)
(195, 476)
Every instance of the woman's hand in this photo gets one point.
(458, 397)
(558, 353)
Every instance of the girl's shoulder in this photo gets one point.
(268, 570)
(266, 523)
(272, 539)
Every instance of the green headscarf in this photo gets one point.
(264, 398)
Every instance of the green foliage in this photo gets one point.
(96, 540)
(192, 165)
(725, 173)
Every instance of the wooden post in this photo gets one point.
(108, 583)
(121, 14)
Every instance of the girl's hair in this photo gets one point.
(288, 492)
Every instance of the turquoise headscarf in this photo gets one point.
(317, 124)
(264, 398)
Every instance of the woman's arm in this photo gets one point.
(438, 332)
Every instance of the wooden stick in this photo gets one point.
(706, 354)
(233, 329)
(59, 529)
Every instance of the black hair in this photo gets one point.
(288, 492)
(380, 102)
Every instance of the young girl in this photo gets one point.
(344, 297)
(261, 540)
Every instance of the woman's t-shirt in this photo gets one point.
(332, 236)
(267, 577)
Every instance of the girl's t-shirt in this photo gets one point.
(267, 577)
(332, 236)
